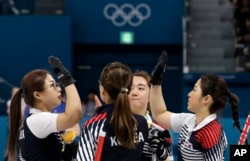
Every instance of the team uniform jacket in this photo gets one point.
(38, 139)
(206, 141)
(112, 150)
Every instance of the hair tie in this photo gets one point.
(123, 90)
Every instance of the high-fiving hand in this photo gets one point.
(62, 73)
(159, 69)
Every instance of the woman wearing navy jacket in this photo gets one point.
(114, 133)
(37, 138)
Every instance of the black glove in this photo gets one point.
(159, 69)
(70, 151)
(62, 73)
(164, 134)
(159, 146)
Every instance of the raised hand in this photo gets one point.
(159, 69)
(62, 73)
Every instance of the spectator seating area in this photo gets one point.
(242, 33)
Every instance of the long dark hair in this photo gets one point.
(217, 87)
(116, 78)
(32, 81)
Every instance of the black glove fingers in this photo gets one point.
(56, 64)
(159, 69)
(163, 58)
(158, 147)
(54, 61)
(62, 73)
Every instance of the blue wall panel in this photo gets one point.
(26, 42)
(163, 26)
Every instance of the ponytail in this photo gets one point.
(235, 111)
(123, 122)
(117, 78)
(15, 120)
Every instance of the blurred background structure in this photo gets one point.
(201, 36)
(209, 36)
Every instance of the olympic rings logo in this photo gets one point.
(127, 13)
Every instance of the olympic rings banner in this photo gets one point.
(150, 21)
(127, 14)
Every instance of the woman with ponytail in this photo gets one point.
(201, 136)
(125, 132)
